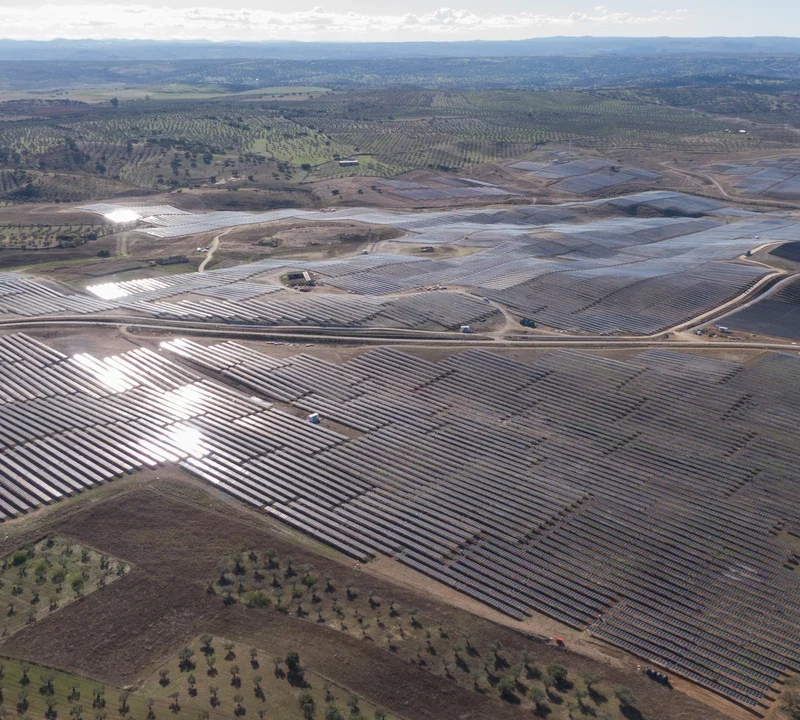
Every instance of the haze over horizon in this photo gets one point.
(362, 21)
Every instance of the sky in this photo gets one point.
(383, 20)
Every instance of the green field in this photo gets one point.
(219, 677)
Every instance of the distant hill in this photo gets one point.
(136, 50)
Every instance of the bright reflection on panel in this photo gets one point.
(107, 291)
(182, 402)
(112, 378)
(187, 440)
(122, 216)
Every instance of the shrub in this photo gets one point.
(257, 599)
(507, 689)
(624, 696)
(333, 713)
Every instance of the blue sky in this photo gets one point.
(382, 20)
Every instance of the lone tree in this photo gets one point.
(47, 683)
(333, 713)
(238, 699)
(558, 673)
(289, 562)
(540, 704)
(293, 661)
(624, 696)
(205, 644)
(507, 689)
(175, 705)
(590, 681)
(307, 705)
(294, 669)
(185, 656)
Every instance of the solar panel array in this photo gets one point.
(774, 177)
(788, 251)
(619, 275)
(776, 314)
(71, 423)
(24, 296)
(640, 500)
(165, 221)
(581, 176)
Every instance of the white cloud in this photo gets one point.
(224, 23)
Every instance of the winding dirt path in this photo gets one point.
(212, 249)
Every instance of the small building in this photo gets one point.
(299, 278)
(349, 162)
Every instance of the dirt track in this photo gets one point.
(212, 249)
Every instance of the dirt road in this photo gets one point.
(212, 249)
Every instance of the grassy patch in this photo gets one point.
(263, 686)
(224, 679)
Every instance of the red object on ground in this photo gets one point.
(559, 641)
